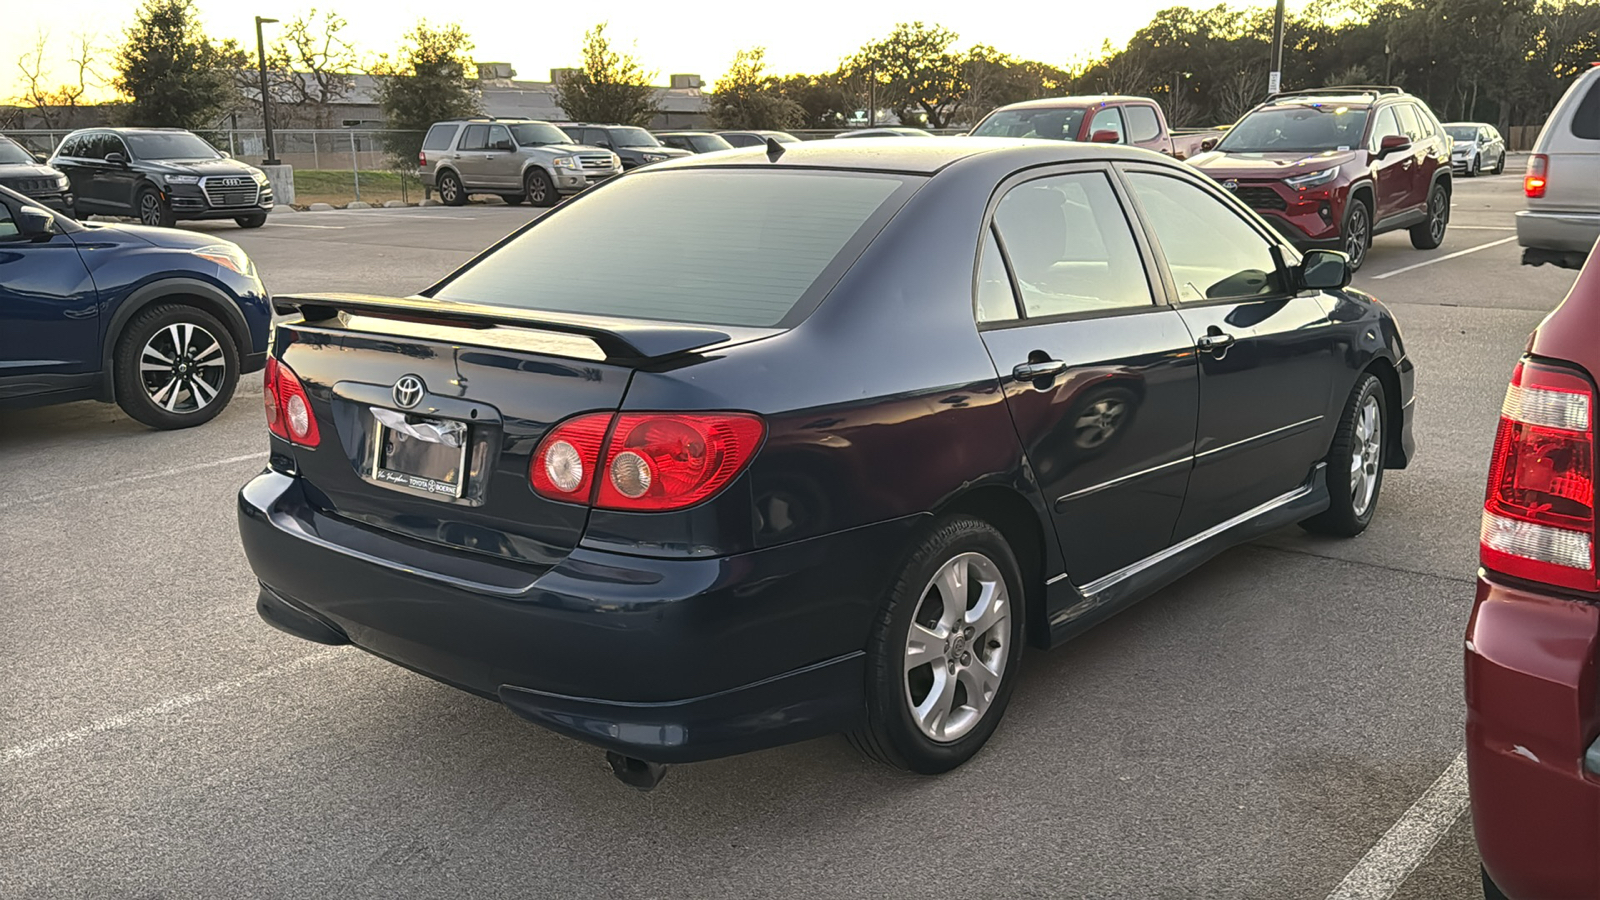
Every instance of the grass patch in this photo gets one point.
(338, 187)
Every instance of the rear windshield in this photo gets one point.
(715, 247)
(1048, 124)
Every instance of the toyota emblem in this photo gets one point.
(1231, 185)
(408, 391)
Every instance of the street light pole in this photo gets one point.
(266, 102)
(1275, 78)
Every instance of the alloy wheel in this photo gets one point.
(537, 192)
(956, 649)
(1357, 235)
(448, 190)
(150, 209)
(183, 368)
(1438, 208)
(1366, 459)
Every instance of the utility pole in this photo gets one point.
(266, 102)
(872, 95)
(1275, 78)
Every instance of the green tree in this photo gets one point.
(611, 87)
(747, 96)
(172, 73)
(918, 74)
(428, 82)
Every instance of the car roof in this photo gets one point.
(684, 134)
(1083, 101)
(1466, 125)
(140, 130)
(911, 155)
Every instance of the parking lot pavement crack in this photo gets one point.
(1450, 579)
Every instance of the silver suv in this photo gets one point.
(1562, 183)
(518, 159)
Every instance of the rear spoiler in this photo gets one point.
(619, 339)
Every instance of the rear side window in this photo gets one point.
(1070, 247)
(1586, 118)
(1410, 122)
(475, 138)
(1142, 124)
(700, 246)
(440, 137)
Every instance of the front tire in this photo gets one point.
(538, 189)
(1500, 167)
(1356, 234)
(175, 366)
(450, 189)
(154, 211)
(1355, 463)
(1429, 234)
(255, 221)
(943, 652)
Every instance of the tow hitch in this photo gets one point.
(634, 772)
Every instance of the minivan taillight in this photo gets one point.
(288, 407)
(422, 157)
(1538, 514)
(653, 462)
(1537, 175)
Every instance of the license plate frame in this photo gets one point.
(422, 484)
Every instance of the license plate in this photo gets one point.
(419, 453)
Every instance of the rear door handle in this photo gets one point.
(1030, 371)
(1215, 341)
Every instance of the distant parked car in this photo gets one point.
(1332, 167)
(160, 175)
(634, 146)
(1562, 183)
(1102, 119)
(756, 138)
(517, 159)
(1477, 146)
(29, 175)
(159, 320)
(892, 131)
(694, 141)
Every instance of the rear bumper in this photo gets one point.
(1572, 232)
(669, 660)
(1531, 687)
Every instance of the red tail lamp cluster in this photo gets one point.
(288, 407)
(649, 462)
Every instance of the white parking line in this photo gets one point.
(1484, 227)
(100, 486)
(1440, 259)
(292, 225)
(1403, 847)
(56, 741)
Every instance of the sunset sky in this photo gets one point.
(698, 36)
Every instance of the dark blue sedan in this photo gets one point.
(823, 437)
(163, 322)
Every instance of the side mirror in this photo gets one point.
(1104, 136)
(41, 158)
(35, 223)
(1394, 143)
(225, 154)
(502, 145)
(1208, 145)
(1327, 270)
(116, 159)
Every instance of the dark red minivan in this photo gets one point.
(1533, 644)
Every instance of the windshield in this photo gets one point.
(703, 246)
(1467, 134)
(1297, 129)
(168, 145)
(12, 153)
(633, 137)
(536, 134)
(708, 143)
(1050, 124)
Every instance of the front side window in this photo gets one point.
(1070, 247)
(476, 137)
(1045, 124)
(439, 137)
(1107, 120)
(538, 134)
(1142, 123)
(633, 137)
(1212, 252)
(499, 138)
(1386, 125)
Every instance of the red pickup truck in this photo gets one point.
(1111, 119)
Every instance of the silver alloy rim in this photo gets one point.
(536, 189)
(1099, 422)
(1356, 244)
(1367, 458)
(447, 189)
(182, 367)
(956, 649)
(150, 209)
(1436, 211)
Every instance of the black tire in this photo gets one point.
(1500, 167)
(451, 191)
(255, 221)
(154, 211)
(190, 404)
(890, 734)
(1491, 891)
(1347, 515)
(1429, 233)
(1355, 233)
(1477, 163)
(539, 190)
(512, 199)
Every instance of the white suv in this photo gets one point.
(517, 159)
(1562, 184)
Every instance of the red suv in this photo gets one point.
(1533, 644)
(1332, 167)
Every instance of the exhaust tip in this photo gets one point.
(636, 773)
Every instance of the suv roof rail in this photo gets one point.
(1339, 89)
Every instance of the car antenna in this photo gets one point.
(774, 149)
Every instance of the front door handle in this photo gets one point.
(1215, 341)
(1029, 371)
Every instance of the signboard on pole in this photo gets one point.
(1274, 80)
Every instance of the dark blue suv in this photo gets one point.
(161, 321)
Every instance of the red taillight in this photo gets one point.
(653, 461)
(288, 408)
(1537, 176)
(1538, 515)
(422, 157)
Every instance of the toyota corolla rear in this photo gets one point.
(528, 483)
(1532, 683)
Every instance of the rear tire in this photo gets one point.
(175, 366)
(932, 716)
(255, 221)
(1355, 463)
(451, 190)
(1429, 234)
(538, 189)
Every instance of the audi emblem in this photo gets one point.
(230, 182)
(408, 391)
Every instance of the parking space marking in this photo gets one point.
(292, 225)
(99, 486)
(1440, 259)
(1485, 227)
(1404, 846)
(62, 739)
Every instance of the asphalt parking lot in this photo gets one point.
(1284, 723)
